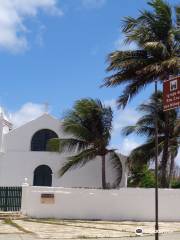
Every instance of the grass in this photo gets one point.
(13, 224)
(74, 224)
(82, 237)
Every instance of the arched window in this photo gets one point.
(42, 176)
(40, 139)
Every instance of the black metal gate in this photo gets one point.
(10, 198)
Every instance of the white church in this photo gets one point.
(23, 155)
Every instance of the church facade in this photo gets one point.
(23, 155)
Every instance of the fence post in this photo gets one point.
(24, 199)
(6, 199)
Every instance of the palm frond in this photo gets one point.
(158, 37)
(77, 129)
(145, 152)
(66, 145)
(132, 89)
(177, 12)
(157, 48)
(78, 160)
(128, 130)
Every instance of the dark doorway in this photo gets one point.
(40, 139)
(42, 176)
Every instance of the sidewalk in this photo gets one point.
(173, 236)
(32, 229)
(79, 229)
(17, 237)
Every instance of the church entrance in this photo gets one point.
(42, 176)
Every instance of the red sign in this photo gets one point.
(171, 93)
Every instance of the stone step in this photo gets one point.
(11, 215)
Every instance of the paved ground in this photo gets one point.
(54, 229)
(62, 230)
(174, 236)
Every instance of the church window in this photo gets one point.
(40, 139)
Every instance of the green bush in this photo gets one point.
(141, 176)
(175, 183)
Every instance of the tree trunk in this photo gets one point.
(104, 172)
(165, 156)
(171, 170)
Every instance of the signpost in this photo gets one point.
(171, 93)
(171, 100)
(156, 170)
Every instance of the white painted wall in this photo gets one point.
(18, 162)
(123, 204)
(15, 166)
(19, 139)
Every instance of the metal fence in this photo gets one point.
(10, 198)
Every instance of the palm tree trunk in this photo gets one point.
(104, 172)
(171, 170)
(165, 156)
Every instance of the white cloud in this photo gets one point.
(40, 34)
(122, 118)
(13, 14)
(93, 3)
(127, 145)
(111, 103)
(26, 113)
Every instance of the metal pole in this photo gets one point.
(156, 169)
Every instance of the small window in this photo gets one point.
(40, 139)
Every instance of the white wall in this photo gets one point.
(123, 204)
(19, 139)
(18, 162)
(16, 166)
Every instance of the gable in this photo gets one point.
(19, 139)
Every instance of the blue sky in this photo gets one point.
(55, 51)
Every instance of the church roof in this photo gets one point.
(43, 117)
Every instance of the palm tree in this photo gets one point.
(89, 126)
(156, 34)
(145, 127)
